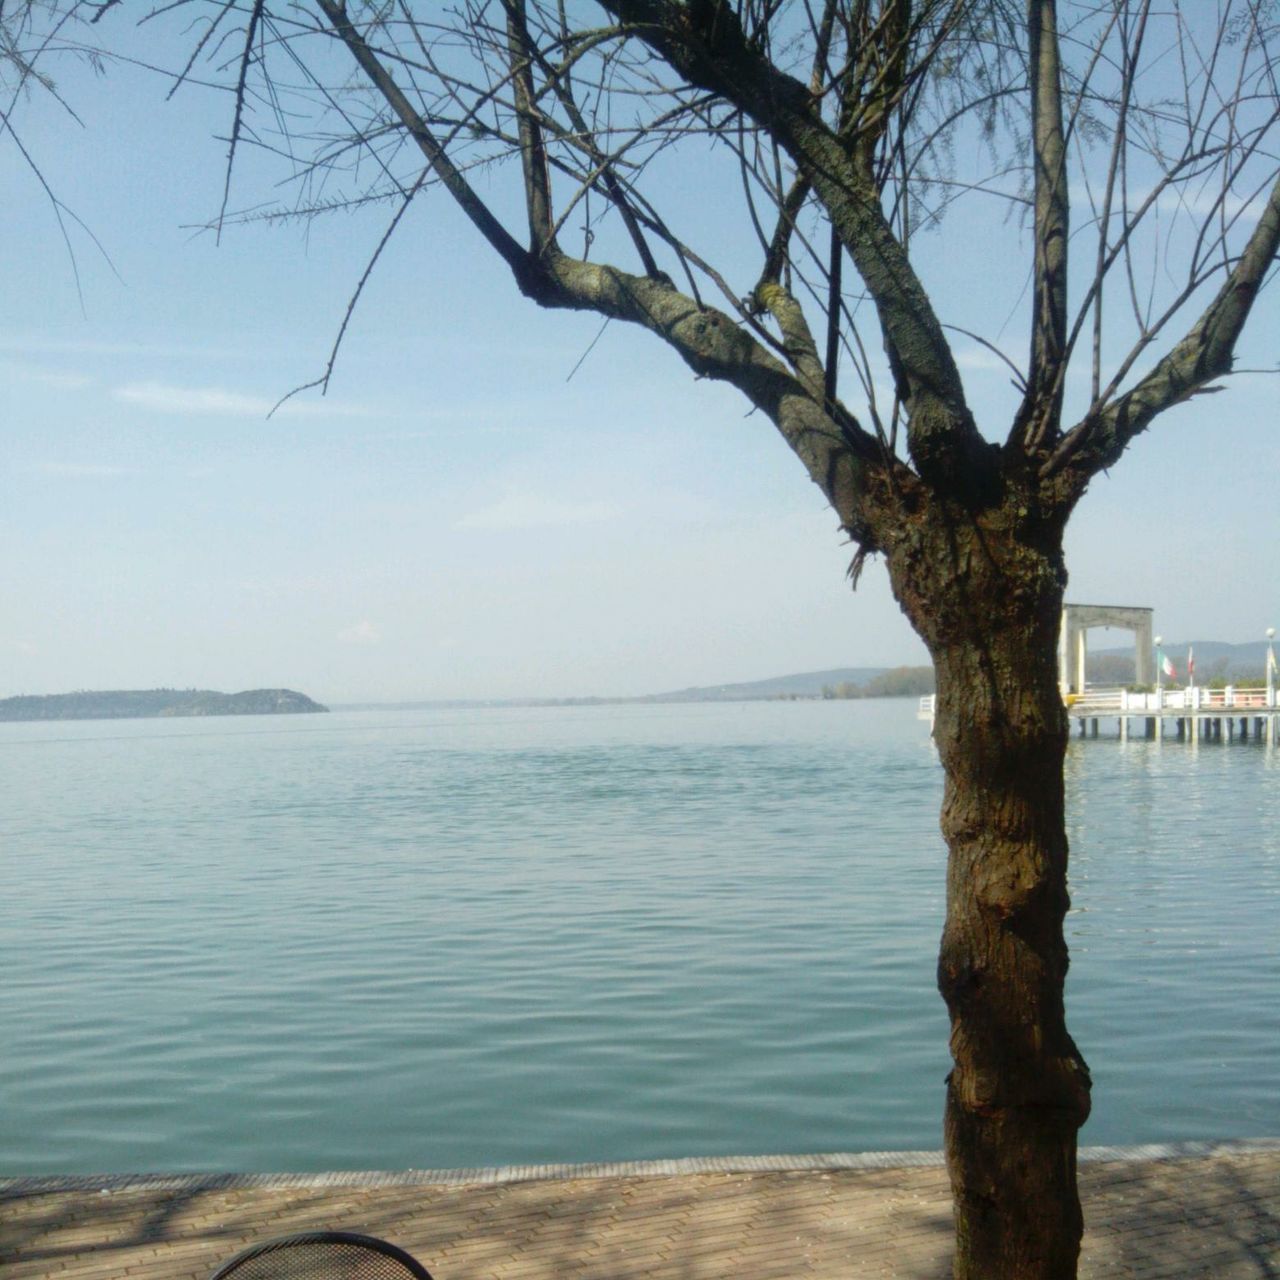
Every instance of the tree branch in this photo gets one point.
(705, 43)
(522, 264)
(584, 138)
(1038, 418)
(797, 338)
(841, 457)
(533, 154)
(1205, 353)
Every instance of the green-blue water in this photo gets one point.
(432, 939)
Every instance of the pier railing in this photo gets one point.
(1193, 698)
(1096, 701)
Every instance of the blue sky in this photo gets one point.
(458, 518)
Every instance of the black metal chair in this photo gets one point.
(322, 1255)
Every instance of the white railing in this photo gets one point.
(1096, 701)
(1193, 698)
(1101, 702)
(1235, 697)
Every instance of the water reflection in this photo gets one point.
(435, 939)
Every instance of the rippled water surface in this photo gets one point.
(441, 938)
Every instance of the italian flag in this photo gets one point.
(1167, 667)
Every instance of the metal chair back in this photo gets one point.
(323, 1255)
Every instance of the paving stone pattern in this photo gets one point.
(1216, 1216)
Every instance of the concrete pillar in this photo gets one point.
(1073, 645)
(1144, 667)
(1064, 653)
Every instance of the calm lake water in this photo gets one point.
(441, 938)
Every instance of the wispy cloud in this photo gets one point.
(166, 398)
(58, 378)
(1209, 201)
(529, 511)
(28, 344)
(80, 470)
(981, 360)
(362, 632)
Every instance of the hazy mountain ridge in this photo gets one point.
(805, 684)
(1214, 659)
(133, 704)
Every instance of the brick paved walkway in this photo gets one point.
(1217, 1216)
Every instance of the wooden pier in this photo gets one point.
(1192, 714)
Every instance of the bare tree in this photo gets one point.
(1133, 146)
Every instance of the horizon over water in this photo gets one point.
(508, 935)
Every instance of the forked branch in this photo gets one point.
(837, 452)
(706, 45)
(1205, 353)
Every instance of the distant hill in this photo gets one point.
(900, 682)
(807, 684)
(134, 704)
(1215, 659)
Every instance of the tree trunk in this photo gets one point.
(985, 592)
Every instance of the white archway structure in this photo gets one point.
(1073, 645)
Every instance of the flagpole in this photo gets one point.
(1271, 667)
(1159, 691)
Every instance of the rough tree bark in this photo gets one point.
(985, 593)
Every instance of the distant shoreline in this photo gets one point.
(481, 704)
(145, 704)
(811, 686)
